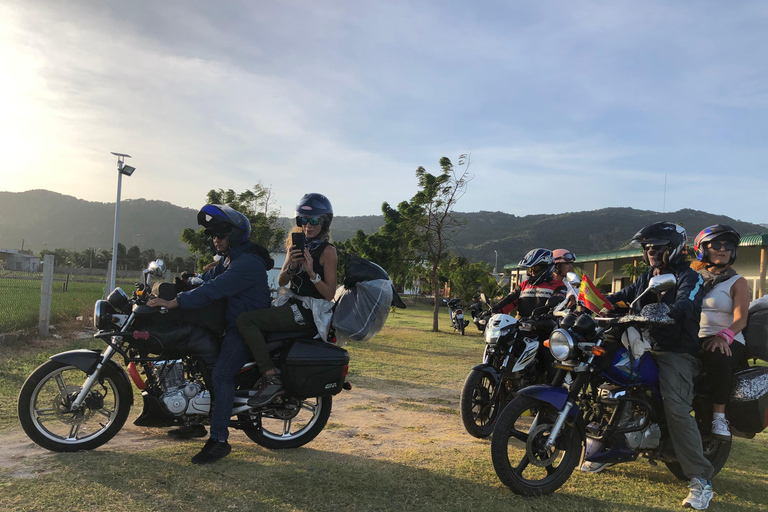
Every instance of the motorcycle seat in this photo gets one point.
(272, 337)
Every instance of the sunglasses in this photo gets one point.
(728, 246)
(312, 221)
(654, 249)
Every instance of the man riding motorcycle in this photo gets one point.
(674, 348)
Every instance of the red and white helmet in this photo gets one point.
(712, 233)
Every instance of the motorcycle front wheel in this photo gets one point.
(44, 407)
(478, 411)
(292, 424)
(520, 458)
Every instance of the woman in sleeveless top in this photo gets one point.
(309, 273)
(723, 316)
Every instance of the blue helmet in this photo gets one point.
(220, 219)
(315, 205)
(540, 264)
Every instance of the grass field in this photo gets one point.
(356, 464)
(20, 300)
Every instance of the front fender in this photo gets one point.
(550, 394)
(489, 369)
(87, 359)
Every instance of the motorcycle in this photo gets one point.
(456, 313)
(79, 400)
(510, 362)
(480, 312)
(612, 409)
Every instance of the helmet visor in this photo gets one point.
(218, 230)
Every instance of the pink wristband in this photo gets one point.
(727, 335)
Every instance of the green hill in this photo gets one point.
(47, 219)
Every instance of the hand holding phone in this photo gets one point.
(298, 241)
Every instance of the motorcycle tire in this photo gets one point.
(461, 327)
(291, 425)
(715, 451)
(478, 413)
(517, 448)
(45, 416)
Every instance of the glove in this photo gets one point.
(187, 275)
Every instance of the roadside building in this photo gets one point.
(12, 259)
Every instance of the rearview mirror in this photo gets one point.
(156, 268)
(573, 279)
(662, 283)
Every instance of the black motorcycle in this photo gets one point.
(456, 312)
(510, 362)
(80, 399)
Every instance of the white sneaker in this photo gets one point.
(700, 494)
(595, 467)
(720, 429)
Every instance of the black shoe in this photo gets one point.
(188, 432)
(270, 387)
(212, 451)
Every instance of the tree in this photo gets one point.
(467, 278)
(437, 198)
(257, 204)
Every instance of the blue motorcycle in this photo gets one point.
(612, 407)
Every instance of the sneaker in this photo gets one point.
(595, 467)
(700, 494)
(188, 432)
(720, 429)
(270, 387)
(212, 451)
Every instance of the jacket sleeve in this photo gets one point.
(509, 302)
(688, 297)
(242, 273)
(626, 294)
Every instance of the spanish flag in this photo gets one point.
(590, 297)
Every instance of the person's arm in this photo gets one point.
(508, 303)
(329, 261)
(688, 296)
(291, 264)
(243, 272)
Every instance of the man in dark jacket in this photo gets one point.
(241, 277)
(675, 349)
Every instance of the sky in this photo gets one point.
(562, 106)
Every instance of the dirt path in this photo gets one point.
(365, 422)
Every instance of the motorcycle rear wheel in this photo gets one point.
(44, 407)
(461, 326)
(517, 448)
(478, 412)
(294, 424)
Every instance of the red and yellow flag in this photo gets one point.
(591, 297)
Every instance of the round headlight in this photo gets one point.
(561, 344)
(118, 299)
(102, 315)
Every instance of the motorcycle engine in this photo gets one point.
(177, 391)
(632, 416)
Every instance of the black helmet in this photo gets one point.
(315, 206)
(667, 234)
(716, 232)
(540, 264)
(220, 219)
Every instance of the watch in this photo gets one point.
(316, 279)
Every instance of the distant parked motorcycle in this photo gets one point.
(80, 399)
(456, 313)
(480, 312)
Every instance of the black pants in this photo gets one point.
(720, 368)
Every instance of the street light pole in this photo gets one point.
(496, 264)
(127, 170)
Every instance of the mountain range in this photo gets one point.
(41, 219)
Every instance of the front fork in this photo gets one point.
(92, 378)
(578, 383)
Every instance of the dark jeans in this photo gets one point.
(234, 354)
(720, 368)
(253, 324)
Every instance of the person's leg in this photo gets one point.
(234, 354)
(720, 368)
(253, 324)
(676, 375)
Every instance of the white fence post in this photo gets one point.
(45, 296)
(107, 289)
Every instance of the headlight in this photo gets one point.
(102, 315)
(492, 335)
(561, 344)
(118, 299)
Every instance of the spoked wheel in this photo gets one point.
(45, 401)
(290, 424)
(521, 460)
(478, 411)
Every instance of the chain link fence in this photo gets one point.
(72, 295)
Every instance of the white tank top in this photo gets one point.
(717, 310)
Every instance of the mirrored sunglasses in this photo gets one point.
(312, 221)
(653, 249)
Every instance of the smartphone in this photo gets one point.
(298, 240)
